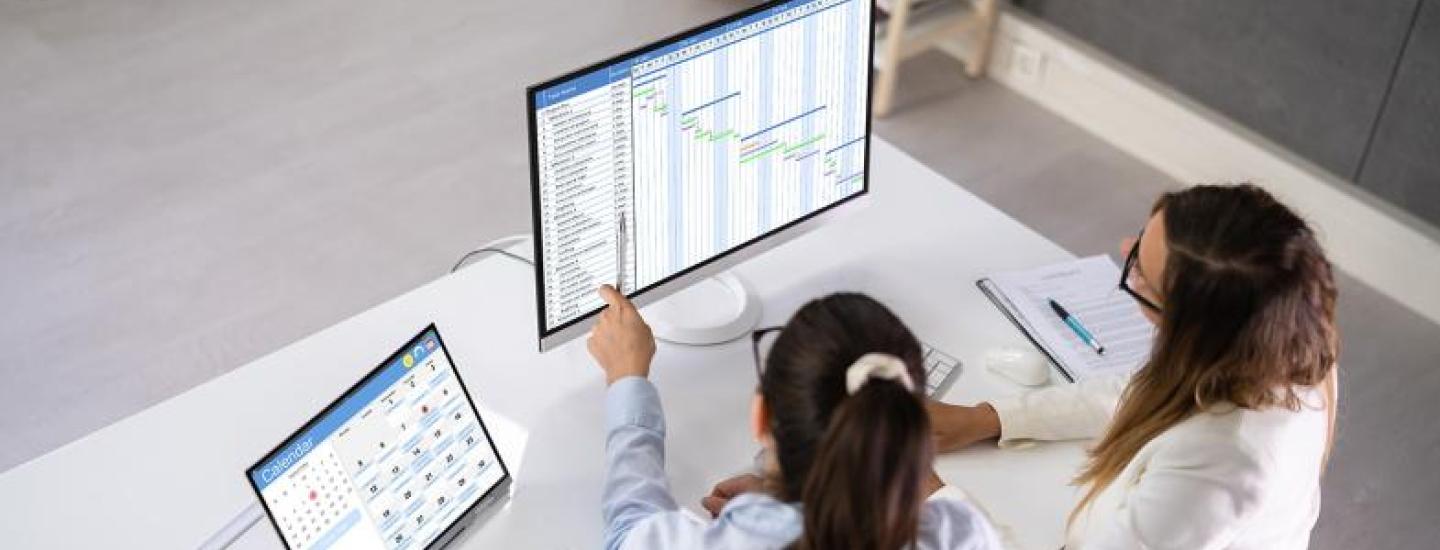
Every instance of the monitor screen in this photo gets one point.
(390, 464)
(656, 162)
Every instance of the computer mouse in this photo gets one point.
(1021, 366)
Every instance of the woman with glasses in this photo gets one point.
(840, 412)
(1220, 438)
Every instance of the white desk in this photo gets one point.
(171, 475)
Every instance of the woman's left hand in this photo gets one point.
(728, 489)
(621, 342)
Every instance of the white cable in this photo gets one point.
(236, 527)
(497, 246)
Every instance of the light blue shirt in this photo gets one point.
(640, 512)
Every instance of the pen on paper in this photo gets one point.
(1079, 329)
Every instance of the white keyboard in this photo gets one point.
(941, 370)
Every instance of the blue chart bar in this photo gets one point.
(784, 122)
(709, 103)
(844, 145)
(742, 147)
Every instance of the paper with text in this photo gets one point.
(1089, 289)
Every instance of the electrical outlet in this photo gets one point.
(1026, 63)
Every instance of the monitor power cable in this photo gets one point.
(496, 246)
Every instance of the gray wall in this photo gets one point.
(1347, 84)
(1404, 160)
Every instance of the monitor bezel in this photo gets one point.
(461, 519)
(551, 338)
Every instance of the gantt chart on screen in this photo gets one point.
(659, 162)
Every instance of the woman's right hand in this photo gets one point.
(957, 426)
(621, 342)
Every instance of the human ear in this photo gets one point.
(759, 418)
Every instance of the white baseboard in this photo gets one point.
(1373, 241)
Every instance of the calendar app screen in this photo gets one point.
(389, 465)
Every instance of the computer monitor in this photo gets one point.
(400, 460)
(661, 166)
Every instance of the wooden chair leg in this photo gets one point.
(890, 62)
(987, 11)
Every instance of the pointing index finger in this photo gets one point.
(613, 298)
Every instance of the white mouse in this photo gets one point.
(1021, 366)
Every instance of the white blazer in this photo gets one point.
(1225, 478)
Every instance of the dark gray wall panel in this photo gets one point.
(1309, 74)
(1403, 165)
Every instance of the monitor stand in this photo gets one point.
(713, 311)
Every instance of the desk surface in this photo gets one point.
(171, 475)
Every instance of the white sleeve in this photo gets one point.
(1004, 535)
(1196, 492)
(1071, 411)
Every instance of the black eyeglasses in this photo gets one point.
(1131, 261)
(755, 338)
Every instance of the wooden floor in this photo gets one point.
(188, 185)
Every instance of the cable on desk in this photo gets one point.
(496, 247)
(235, 528)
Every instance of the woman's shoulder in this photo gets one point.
(755, 520)
(950, 520)
(751, 520)
(1255, 430)
(1245, 443)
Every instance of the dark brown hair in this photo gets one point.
(856, 463)
(1248, 317)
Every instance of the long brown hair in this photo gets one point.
(857, 463)
(1248, 319)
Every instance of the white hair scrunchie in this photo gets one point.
(881, 366)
